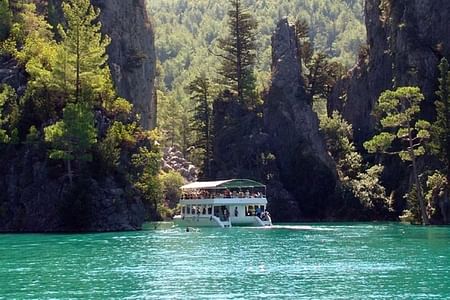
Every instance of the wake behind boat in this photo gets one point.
(225, 203)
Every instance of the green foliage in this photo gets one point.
(81, 67)
(72, 137)
(437, 195)
(186, 30)
(109, 147)
(187, 43)
(412, 214)
(5, 20)
(68, 80)
(25, 22)
(171, 183)
(146, 163)
(32, 136)
(170, 113)
(369, 190)
(365, 185)
(398, 111)
(441, 128)
(306, 47)
(120, 109)
(239, 53)
(200, 91)
(9, 114)
(322, 75)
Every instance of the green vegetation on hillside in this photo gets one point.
(70, 108)
(188, 35)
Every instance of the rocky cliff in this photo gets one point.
(306, 169)
(132, 56)
(34, 195)
(405, 40)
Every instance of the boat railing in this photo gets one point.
(220, 196)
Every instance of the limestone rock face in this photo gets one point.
(132, 56)
(406, 40)
(173, 160)
(306, 169)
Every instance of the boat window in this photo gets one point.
(182, 210)
(209, 209)
(216, 211)
(188, 212)
(203, 210)
(249, 210)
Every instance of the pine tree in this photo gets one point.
(72, 137)
(440, 133)
(441, 128)
(322, 76)
(83, 70)
(239, 54)
(306, 48)
(199, 89)
(399, 110)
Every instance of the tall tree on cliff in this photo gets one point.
(441, 128)
(239, 54)
(398, 111)
(83, 69)
(200, 91)
(439, 182)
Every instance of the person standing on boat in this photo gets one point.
(258, 212)
(225, 214)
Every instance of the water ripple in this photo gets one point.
(320, 261)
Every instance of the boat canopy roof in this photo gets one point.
(223, 184)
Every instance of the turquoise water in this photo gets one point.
(319, 261)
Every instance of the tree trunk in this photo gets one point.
(423, 210)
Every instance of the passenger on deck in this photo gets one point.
(258, 212)
(225, 214)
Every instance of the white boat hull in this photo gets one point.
(211, 221)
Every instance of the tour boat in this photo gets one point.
(225, 203)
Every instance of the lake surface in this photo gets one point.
(317, 261)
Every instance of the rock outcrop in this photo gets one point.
(132, 56)
(406, 40)
(35, 198)
(173, 160)
(284, 148)
(306, 169)
(13, 75)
